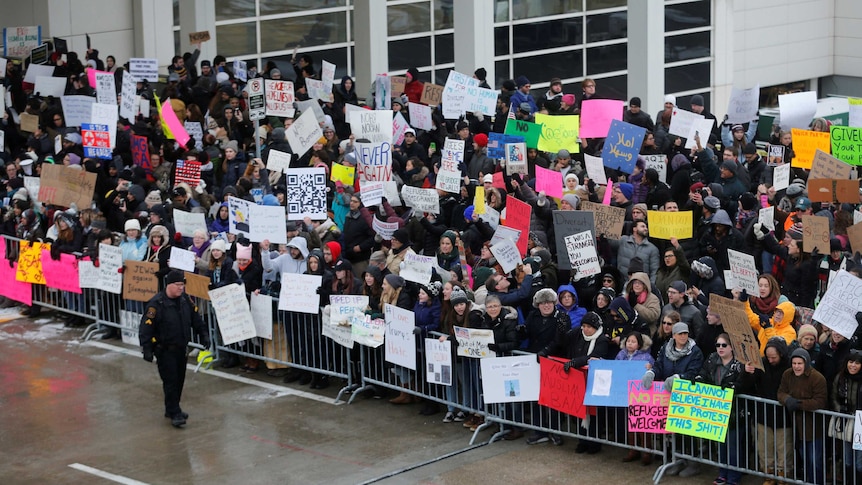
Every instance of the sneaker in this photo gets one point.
(450, 416)
(460, 417)
(556, 439)
(537, 438)
(719, 481)
(479, 422)
(178, 421)
(471, 420)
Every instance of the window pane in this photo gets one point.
(409, 19)
(443, 14)
(598, 4)
(687, 16)
(542, 68)
(404, 54)
(313, 30)
(335, 56)
(608, 58)
(501, 41)
(236, 39)
(527, 9)
(686, 78)
(686, 46)
(612, 87)
(233, 9)
(177, 46)
(501, 71)
(272, 7)
(176, 14)
(444, 48)
(607, 26)
(501, 11)
(547, 35)
(441, 75)
(684, 102)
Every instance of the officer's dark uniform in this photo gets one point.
(165, 331)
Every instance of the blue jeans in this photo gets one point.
(812, 458)
(729, 453)
(852, 457)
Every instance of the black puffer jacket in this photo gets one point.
(542, 330)
(505, 328)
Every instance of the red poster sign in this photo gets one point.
(560, 390)
(518, 217)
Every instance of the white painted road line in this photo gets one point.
(108, 476)
(279, 390)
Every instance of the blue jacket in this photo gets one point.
(687, 367)
(518, 97)
(427, 315)
(575, 313)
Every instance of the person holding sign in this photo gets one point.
(800, 271)
(774, 441)
(846, 393)
(165, 331)
(722, 369)
(803, 390)
(766, 326)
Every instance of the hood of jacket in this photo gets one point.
(300, 243)
(643, 278)
(570, 289)
(789, 310)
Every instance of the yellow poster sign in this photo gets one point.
(342, 173)
(30, 263)
(805, 146)
(559, 133)
(665, 225)
(479, 200)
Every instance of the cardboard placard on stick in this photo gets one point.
(198, 285)
(609, 220)
(820, 190)
(63, 186)
(29, 123)
(815, 234)
(431, 94)
(735, 322)
(854, 232)
(140, 282)
(825, 166)
(201, 36)
(847, 191)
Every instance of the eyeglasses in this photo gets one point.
(607, 280)
(666, 323)
(668, 256)
(720, 345)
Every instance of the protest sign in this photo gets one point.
(144, 69)
(857, 431)
(699, 410)
(854, 232)
(431, 94)
(438, 361)
(374, 161)
(815, 233)
(775, 155)
(372, 194)
(327, 73)
(260, 307)
(232, 313)
(570, 222)
(420, 116)
(279, 98)
(110, 279)
(647, 411)
(561, 390)
(743, 104)
(531, 132)
(744, 271)
(51, 86)
(343, 310)
(595, 169)
(64, 186)
(681, 122)
(417, 268)
(454, 96)
(198, 37)
(77, 109)
(130, 323)
(421, 200)
(479, 200)
(278, 161)
(550, 182)
(608, 381)
(32, 185)
(735, 321)
(240, 70)
(306, 193)
(781, 177)
(303, 133)
(34, 71)
(239, 215)
(449, 174)
(622, 146)
(30, 262)
(169, 116)
(368, 331)
(498, 181)
(188, 171)
(317, 90)
(481, 100)
(196, 133)
(518, 217)
(39, 55)
(825, 166)
(597, 115)
(96, 141)
(510, 379)
(313, 106)
(847, 191)
(396, 83)
(854, 106)
(582, 253)
(400, 340)
(3, 62)
(796, 110)
(61, 274)
(140, 282)
(497, 144)
(609, 220)
(700, 129)
(376, 125)
(558, 133)
(106, 88)
(128, 101)
(766, 216)
(382, 92)
(840, 303)
(385, 229)
(399, 128)
(473, 342)
(516, 158)
(665, 225)
(182, 259)
(657, 162)
(29, 123)
(846, 144)
(821, 190)
(491, 216)
(269, 224)
(507, 254)
(189, 222)
(299, 293)
(198, 286)
(19, 41)
(12, 288)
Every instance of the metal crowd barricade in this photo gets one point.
(767, 443)
(296, 342)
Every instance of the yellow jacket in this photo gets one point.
(782, 328)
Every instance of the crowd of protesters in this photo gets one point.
(650, 302)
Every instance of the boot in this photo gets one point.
(305, 378)
(229, 362)
(769, 481)
(403, 398)
(112, 333)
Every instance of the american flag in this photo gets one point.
(188, 171)
(511, 114)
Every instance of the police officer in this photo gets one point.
(165, 331)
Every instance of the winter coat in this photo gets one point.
(687, 367)
(668, 274)
(427, 315)
(356, 233)
(798, 283)
(650, 309)
(765, 384)
(629, 249)
(573, 346)
(689, 313)
(810, 390)
(778, 328)
(542, 330)
(134, 249)
(575, 312)
(505, 328)
(641, 355)
(710, 283)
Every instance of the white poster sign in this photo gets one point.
(77, 109)
(232, 313)
(106, 88)
(422, 200)
(268, 223)
(278, 161)
(510, 379)
(376, 125)
(796, 110)
(189, 222)
(128, 98)
(279, 98)
(417, 268)
(50, 86)
(420, 116)
(473, 342)
(303, 133)
(371, 194)
(368, 331)
(743, 105)
(182, 259)
(507, 254)
(595, 169)
(838, 307)
(766, 216)
(373, 161)
(744, 271)
(383, 92)
(781, 176)
(385, 229)
(681, 122)
(144, 69)
(438, 361)
(657, 162)
(582, 253)
(261, 314)
(299, 293)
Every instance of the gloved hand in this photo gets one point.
(339, 186)
(417, 330)
(815, 252)
(760, 232)
(95, 262)
(764, 320)
(668, 383)
(493, 347)
(178, 237)
(543, 199)
(792, 404)
(743, 296)
(648, 377)
(55, 252)
(516, 177)
(591, 185)
(148, 354)
(522, 332)
(568, 365)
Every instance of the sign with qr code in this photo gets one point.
(306, 193)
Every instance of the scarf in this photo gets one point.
(243, 268)
(766, 305)
(743, 217)
(592, 340)
(671, 352)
